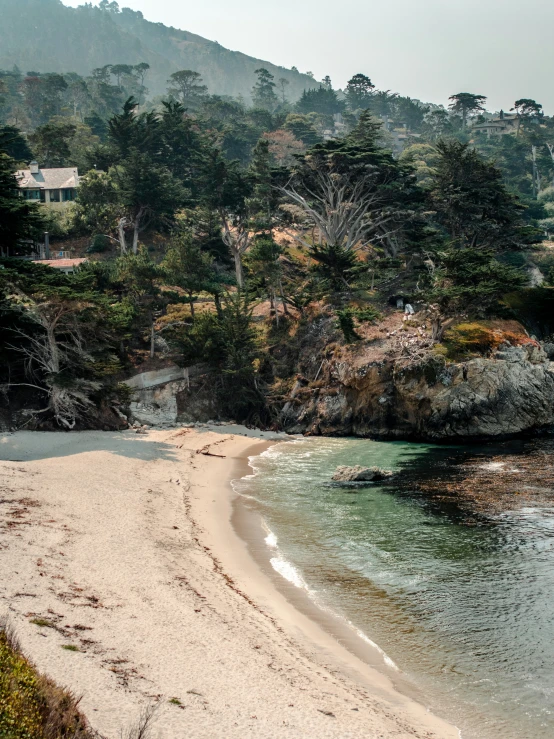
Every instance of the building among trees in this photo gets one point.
(53, 186)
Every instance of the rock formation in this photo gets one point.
(509, 393)
(360, 474)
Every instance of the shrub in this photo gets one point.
(481, 337)
(99, 244)
(31, 705)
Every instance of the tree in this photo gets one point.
(120, 70)
(189, 268)
(19, 219)
(283, 146)
(263, 92)
(353, 197)
(141, 71)
(437, 124)
(128, 130)
(263, 199)
(323, 100)
(359, 92)
(472, 204)
(423, 158)
(527, 110)
(382, 104)
(43, 96)
(57, 355)
(465, 103)
(148, 194)
(408, 112)
(225, 190)
(96, 207)
(302, 129)
(264, 262)
(470, 281)
(186, 87)
(60, 338)
(13, 143)
(109, 7)
(283, 83)
(241, 395)
(51, 143)
(182, 147)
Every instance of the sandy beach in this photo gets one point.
(121, 546)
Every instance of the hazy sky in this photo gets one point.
(427, 49)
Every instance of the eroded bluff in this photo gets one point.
(511, 392)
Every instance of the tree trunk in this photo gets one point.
(238, 268)
(121, 231)
(152, 341)
(217, 301)
(282, 294)
(135, 237)
(136, 228)
(436, 329)
(191, 298)
(551, 150)
(275, 306)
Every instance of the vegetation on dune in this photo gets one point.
(31, 705)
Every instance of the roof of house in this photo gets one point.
(62, 263)
(494, 124)
(48, 179)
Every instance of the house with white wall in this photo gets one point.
(56, 186)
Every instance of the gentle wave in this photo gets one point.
(289, 572)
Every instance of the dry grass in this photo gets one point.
(142, 728)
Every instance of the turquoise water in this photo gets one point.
(461, 603)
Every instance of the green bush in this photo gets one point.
(31, 705)
(99, 244)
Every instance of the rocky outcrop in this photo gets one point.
(483, 398)
(360, 474)
(169, 395)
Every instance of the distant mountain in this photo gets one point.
(47, 36)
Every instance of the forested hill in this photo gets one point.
(47, 36)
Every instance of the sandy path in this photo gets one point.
(123, 543)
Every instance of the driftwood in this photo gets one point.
(206, 452)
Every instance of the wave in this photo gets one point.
(292, 574)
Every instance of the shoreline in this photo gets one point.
(248, 525)
(358, 657)
(128, 545)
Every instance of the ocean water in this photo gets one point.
(448, 568)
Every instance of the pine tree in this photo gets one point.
(263, 92)
(19, 220)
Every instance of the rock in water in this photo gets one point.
(360, 474)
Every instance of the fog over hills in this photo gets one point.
(47, 36)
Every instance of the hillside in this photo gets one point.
(47, 36)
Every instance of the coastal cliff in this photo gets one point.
(508, 394)
(393, 384)
(397, 384)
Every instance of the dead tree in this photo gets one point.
(237, 238)
(345, 209)
(53, 354)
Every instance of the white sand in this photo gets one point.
(124, 543)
